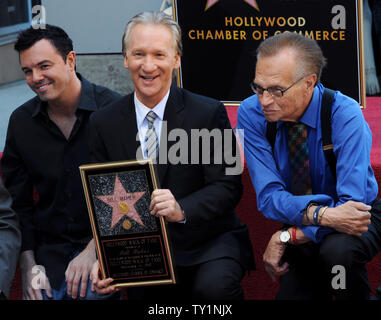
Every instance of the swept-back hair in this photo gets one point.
(153, 18)
(307, 50)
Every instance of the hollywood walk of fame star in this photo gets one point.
(253, 3)
(122, 203)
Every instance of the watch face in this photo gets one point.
(285, 236)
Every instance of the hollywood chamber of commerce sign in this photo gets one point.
(220, 38)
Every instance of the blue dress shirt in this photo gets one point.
(352, 140)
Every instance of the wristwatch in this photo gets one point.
(284, 236)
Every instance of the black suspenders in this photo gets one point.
(326, 129)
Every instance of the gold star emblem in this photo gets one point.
(252, 3)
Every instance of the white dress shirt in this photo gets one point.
(142, 123)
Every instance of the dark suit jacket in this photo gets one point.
(10, 241)
(207, 196)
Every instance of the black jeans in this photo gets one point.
(218, 279)
(312, 273)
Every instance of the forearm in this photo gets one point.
(308, 216)
(89, 251)
(351, 217)
(278, 204)
(91, 245)
(297, 236)
(319, 215)
(27, 260)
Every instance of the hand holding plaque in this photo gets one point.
(132, 244)
(163, 203)
(101, 286)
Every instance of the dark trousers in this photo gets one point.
(377, 24)
(312, 273)
(218, 279)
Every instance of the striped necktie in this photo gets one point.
(151, 140)
(299, 160)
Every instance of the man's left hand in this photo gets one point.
(273, 255)
(79, 270)
(163, 203)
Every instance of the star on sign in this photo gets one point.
(122, 203)
(253, 3)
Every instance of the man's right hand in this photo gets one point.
(273, 256)
(33, 278)
(351, 217)
(98, 285)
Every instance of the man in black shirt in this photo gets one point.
(46, 142)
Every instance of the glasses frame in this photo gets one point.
(253, 84)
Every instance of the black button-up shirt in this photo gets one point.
(37, 155)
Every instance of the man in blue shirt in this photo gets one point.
(332, 225)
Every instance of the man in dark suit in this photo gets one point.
(10, 242)
(211, 246)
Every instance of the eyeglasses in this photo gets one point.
(273, 91)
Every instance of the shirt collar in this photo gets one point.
(86, 99)
(310, 116)
(142, 110)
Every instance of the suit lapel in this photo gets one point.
(174, 117)
(128, 118)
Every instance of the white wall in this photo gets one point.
(95, 26)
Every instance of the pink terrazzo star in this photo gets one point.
(210, 3)
(253, 3)
(120, 195)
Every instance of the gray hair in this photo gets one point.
(153, 18)
(306, 49)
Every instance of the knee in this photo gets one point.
(219, 288)
(339, 249)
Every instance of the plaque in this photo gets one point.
(132, 245)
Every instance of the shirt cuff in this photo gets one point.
(184, 220)
(316, 233)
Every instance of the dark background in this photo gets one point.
(224, 69)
